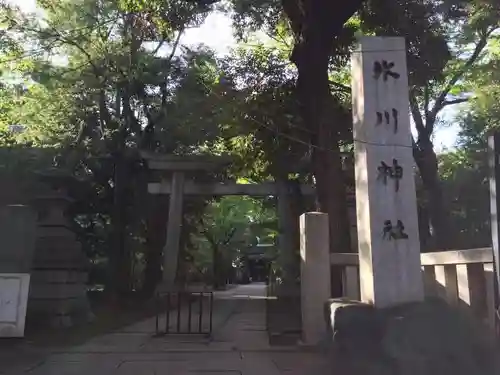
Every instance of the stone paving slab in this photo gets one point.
(97, 367)
(146, 326)
(239, 346)
(286, 362)
(187, 364)
(150, 368)
(115, 342)
(171, 346)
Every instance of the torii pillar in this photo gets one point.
(174, 230)
(174, 169)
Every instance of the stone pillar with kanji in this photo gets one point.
(386, 207)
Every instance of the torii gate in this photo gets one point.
(173, 170)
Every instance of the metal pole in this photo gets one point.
(157, 307)
(190, 302)
(200, 317)
(179, 301)
(211, 312)
(167, 317)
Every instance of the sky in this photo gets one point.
(217, 33)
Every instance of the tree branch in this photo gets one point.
(174, 48)
(295, 15)
(455, 101)
(176, 44)
(207, 234)
(340, 86)
(439, 103)
(160, 44)
(417, 115)
(279, 39)
(426, 100)
(229, 235)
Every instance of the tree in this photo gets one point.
(318, 32)
(464, 175)
(447, 42)
(427, 101)
(465, 171)
(113, 98)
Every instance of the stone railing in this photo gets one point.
(463, 278)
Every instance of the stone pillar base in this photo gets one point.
(416, 338)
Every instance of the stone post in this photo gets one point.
(315, 275)
(386, 209)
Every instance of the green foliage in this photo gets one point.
(126, 85)
(97, 81)
(227, 228)
(19, 162)
(465, 171)
(269, 136)
(465, 188)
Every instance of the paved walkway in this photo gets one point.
(239, 346)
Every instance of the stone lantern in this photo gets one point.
(18, 226)
(58, 292)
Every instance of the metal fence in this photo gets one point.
(184, 313)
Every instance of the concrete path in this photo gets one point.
(239, 346)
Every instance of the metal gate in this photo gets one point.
(184, 313)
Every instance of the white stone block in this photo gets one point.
(14, 288)
(390, 271)
(315, 275)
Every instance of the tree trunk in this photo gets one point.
(182, 262)
(316, 24)
(327, 165)
(297, 208)
(424, 229)
(427, 163)
(332, 199)
(119, 260)
(217, 266)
